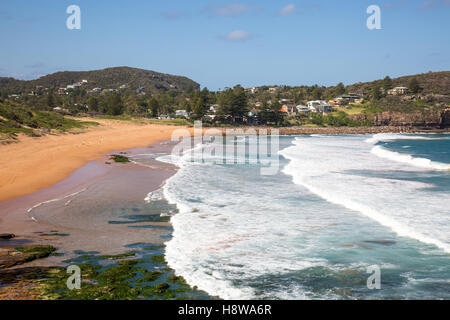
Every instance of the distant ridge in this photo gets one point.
(110, 78)
(430, 82)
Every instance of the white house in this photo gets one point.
(319, 106)
(397, 91)
(181, 113)
(302, 109)
(213, 109)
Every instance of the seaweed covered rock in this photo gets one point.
(7, 236)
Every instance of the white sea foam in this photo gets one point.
(156, 195)
(399, 136)
(220, 236)
(406, 158)
(235, 227)
(403, 206)
(55, 200)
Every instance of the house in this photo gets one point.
(61, 91)
(252, 117)
(181, 113)
(213, 108)
(319, 106)
(253, 113)
(347, 98)
(273, 89)
(302, 109)
(251, 90)
(398, 91)
(288, 109)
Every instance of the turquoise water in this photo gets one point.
(336, 206)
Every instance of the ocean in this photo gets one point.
(338, 208)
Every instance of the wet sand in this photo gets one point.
(86, 210)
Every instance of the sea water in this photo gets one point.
(337, 205)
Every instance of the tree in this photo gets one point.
(50, 100)
(316, 92)
(115, 106)
(154, 107)
(93, 104)
(376, 92)
(414, 86)
(233, 102)
(141, 107)
(340, 89)
(198, 108)
(271, 113)
(387, 84)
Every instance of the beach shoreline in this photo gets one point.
(35, 163)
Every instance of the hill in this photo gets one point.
(110, 78)
(430, 83)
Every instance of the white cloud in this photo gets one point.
(430, 4)
(17, 75)
(174, 14)
(237, 35)
(290, 8)
(233, 10)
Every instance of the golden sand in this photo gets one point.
(39, 162)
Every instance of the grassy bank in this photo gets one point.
(15, 119)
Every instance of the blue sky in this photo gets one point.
(223, 43)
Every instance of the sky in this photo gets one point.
(223, 43)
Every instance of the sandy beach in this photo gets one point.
(39, 162)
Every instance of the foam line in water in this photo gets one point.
(307, 180)
(379, 137)
(406, 158)
(54, 200)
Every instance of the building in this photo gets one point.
(398, 91)
(319, 106)
(253, 113)
(288, 109)
(350, 98)
(181, 113)
(61, 91)
(302, 109)
(213, 109)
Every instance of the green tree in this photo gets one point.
(93, 104)
(387, 84)
(414, 86)
(376, 92)
(198, 108)
(154, 107)
(340, 89)
(115, 105)
(50, 100)
(271, 113)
